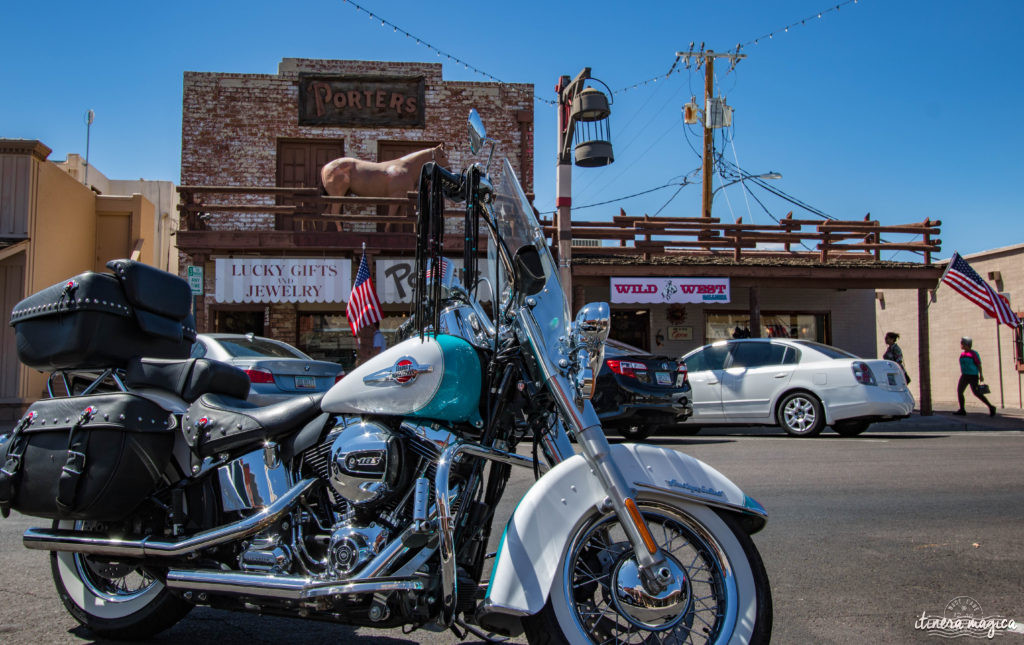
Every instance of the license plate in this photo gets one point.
(305, 382)
(664, 378)
(892, 378)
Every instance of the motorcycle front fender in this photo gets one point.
(545, 519)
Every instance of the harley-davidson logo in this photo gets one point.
(405, 371)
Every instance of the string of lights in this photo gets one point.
(419, 41)
(770, 36)
(819, 15)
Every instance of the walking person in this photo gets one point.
(970, 374)
(894, 353)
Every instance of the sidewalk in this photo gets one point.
(977, 419)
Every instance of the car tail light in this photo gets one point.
(626, 368)
(863, 374)
(259, 376)
(681, 369)
(339, 376)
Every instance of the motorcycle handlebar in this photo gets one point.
(451, 183)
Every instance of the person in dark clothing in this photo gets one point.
(970, 374)
(894, 353)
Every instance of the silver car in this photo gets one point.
(799, 385)
(276, 370)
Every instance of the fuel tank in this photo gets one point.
(433, 378)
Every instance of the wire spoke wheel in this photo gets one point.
(608, 601)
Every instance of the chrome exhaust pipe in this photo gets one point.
(104, 545)
(237, 583)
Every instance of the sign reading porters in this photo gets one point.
(361, 101)
(283, 280)
(670, 290)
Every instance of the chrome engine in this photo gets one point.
(377, 487)
(366, 463)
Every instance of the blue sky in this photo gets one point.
(906, 109)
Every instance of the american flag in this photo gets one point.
(363, 305)
(445, 269)
(970, 285)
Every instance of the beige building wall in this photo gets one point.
(67, 231)
(952, 316)
(162, 194)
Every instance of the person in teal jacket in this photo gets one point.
(970, 374)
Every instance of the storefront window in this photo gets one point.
(328, 337)
(724, 326)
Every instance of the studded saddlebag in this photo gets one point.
(85, 458)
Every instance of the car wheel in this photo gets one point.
(800, 415)
(851, 428)
(634, 433)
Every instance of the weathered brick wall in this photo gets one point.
(231, 124)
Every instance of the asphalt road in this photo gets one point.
(865, 535)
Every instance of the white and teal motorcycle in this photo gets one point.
(373, 505)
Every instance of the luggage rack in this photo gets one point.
(94, 378)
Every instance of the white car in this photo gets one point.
(797, 384)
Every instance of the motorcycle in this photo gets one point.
(373, 504)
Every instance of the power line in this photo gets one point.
(685, 182)
(419, 41)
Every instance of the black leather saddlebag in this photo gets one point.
(100, 320)
(85, 458)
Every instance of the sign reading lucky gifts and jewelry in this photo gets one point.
(283, 280)
(670, 290)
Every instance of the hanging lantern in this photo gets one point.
(592, 135)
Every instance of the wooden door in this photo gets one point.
(113, 238)
(299, 164)
(12, 287)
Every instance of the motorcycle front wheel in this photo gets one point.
(113, 600)
(721, 593)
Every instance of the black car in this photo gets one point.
(638, 392)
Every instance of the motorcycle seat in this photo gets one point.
(189, 378)
(216, 423)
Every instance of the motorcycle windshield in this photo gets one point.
(518, 226)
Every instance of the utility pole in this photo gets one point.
(712, 112)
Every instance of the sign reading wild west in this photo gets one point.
(361, 100)
(670, 290)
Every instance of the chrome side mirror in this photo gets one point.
(477, 132)
(589, 332)
(478, 136)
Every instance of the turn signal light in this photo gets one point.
(626, 368)
(259, 376)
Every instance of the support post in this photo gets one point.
(709, 139)
(924, 353)
(755, 313)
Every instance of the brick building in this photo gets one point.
(272, 131)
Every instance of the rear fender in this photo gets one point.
(543, 523)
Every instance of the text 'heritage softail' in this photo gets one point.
(372, 504)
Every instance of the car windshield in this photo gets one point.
(257, 348)
(827, 350)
